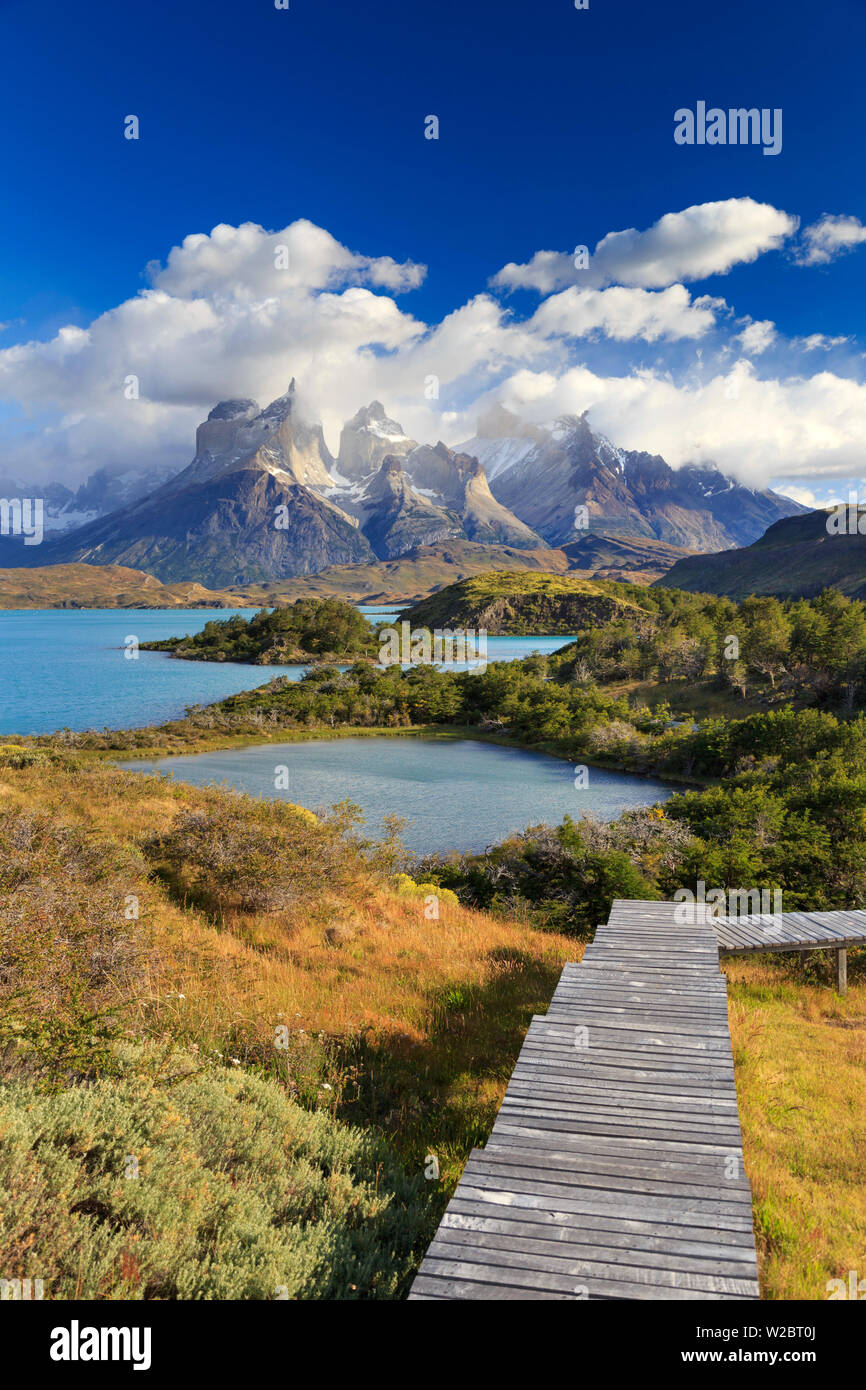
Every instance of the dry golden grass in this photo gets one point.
(800, 1062)
(409, 1024)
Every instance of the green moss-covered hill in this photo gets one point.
(524, 603)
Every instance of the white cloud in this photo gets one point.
(707, 239)
(816, 341)
(828, 238)
(753, 427)
(221, 319)
(625, 314)
(804, 495)
(757, 336)
(247, 263)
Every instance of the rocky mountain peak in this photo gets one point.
(367, 439)
(230, 409)
(283, 406)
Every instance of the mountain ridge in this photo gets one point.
(263, 498)
(797, 557)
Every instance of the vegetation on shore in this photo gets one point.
(250, 1003)
(515, 604)
(237, 1092)
(309, 629)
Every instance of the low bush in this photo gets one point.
(167, 1183)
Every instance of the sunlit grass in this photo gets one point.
(800, 1064)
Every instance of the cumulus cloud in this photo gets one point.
(237, 312)
(757, 336)
(247, 262)
(707, 239)
(753, 427)
(241, 310)
(625, 314)
(828, 238)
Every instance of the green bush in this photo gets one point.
(239, 1193)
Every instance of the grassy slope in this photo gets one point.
(795, 558)
(406, 1027)
(410, 577)
(516, 603)
(800, 1064)
(102, 586)
(415, 1025)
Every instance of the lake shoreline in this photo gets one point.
(459, 797)
(430, 732)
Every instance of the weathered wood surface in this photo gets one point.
(615, 1166)
(790, 931)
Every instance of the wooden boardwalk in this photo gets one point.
(794, 931)
(615, 1166)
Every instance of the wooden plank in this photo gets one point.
(614, 1169)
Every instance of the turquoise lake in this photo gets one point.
(66, 668)
(454, 794)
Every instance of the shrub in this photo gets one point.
(246, 855)
(70, 955)
(239, 1193)
(407, 887)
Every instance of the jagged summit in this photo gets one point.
(227, 410)
(567, 479)
(514, 484)
(283, 406)
(367, 438)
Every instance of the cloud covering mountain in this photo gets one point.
(237, 312)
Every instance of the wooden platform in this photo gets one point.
(794, 931)
(615, 1166)
(790, 931)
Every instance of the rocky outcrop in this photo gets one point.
(368, 439)
(394, 518)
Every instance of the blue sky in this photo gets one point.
(555, 129)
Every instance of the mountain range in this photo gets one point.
(264, 499)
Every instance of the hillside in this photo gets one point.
(516, 604)
(103, 586)
(629, 559)
(797, 557)
(278, 1040)
(413, 576)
